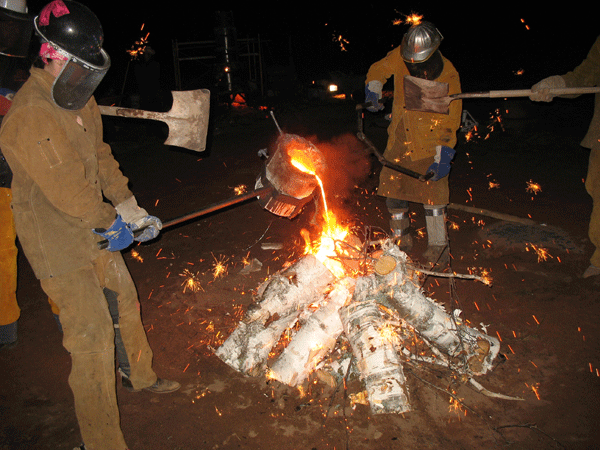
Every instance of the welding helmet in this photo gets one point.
(16, 28)
(420, 42)
(69, 31)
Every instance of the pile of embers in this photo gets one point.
(308, 314)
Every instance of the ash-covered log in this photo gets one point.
(282, 297)
(315, 339)
(377, 358)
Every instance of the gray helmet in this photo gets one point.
(19, 6)
(420, 42)
(16, 28)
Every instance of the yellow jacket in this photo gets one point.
(62, 171)
(414, 135)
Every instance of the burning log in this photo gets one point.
(281, 300)
(429, 319)
(323, 307)
(314, 340)
(377, 360)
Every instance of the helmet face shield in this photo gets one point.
(70, 32)
(77, 81)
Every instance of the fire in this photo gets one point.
(326, 248)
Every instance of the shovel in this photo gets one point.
(187, 119)
(432, 96)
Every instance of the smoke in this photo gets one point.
(348, 165)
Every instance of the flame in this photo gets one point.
(326, 248)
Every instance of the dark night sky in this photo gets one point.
(487, 41)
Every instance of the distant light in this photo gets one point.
(333, 88)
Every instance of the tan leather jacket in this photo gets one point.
(414, 135)
(588, 74)
(62, 171)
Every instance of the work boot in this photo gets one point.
(437, 235)
(400, 223)
(591, 271)
(161, 386)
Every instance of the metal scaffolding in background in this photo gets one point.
(208, 60)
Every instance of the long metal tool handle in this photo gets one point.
(202, 212)
(526, 92)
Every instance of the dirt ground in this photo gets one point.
(545, 315)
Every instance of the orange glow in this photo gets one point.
(301, 160)
(326, 248)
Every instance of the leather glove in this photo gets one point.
(540, 90)
(441, 166)
(138, 219)
(373, 94)
(119, 236)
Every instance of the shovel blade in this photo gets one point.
(426, 95)
(188, 119)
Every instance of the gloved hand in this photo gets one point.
(138, 218)
(540, 89)
(119, 236)
(373, 94)
(441, 166)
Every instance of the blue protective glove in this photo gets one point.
(119, 236)
(373, 94)
(441, 166)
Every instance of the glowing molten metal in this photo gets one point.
(326, 249)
